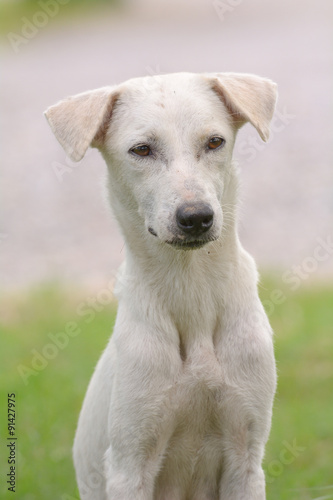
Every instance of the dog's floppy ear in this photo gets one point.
(82, 120)
(248, 98)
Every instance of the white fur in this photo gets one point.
(179, 406)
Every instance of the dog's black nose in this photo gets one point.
(195, 218)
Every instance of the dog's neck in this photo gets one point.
(194, 291)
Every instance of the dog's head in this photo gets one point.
(168, 142)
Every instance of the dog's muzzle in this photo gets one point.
(191, 227)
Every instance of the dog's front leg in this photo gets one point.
(245, 433)
(246, 404)
(243, 477)
(141, 415)
(243, 483)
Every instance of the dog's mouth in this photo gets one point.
(187, 245)
(184, 244)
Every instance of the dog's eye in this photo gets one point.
(142, 150)
(215, 142)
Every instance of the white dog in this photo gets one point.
(179, 406)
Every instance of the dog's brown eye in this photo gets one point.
(215, 142)
(142, 150)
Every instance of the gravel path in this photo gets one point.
(58, 227)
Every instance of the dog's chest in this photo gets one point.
(193, 454)
(195, 402)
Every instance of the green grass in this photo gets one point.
(303, 412)
(49, 403)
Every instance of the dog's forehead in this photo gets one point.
(174, 92)
(183, 99)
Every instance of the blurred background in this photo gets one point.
(60, 246)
